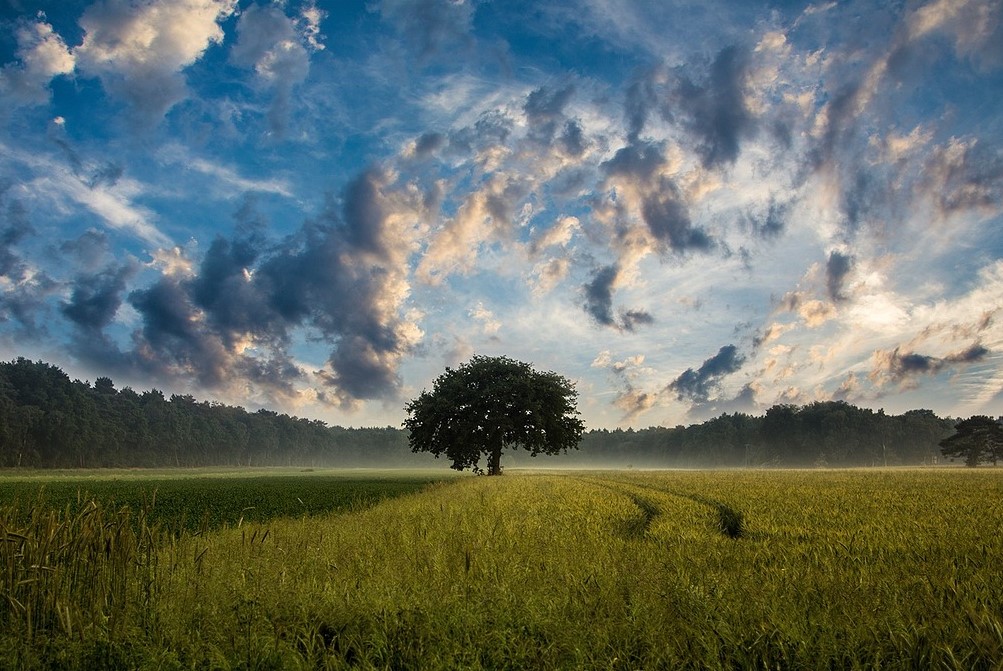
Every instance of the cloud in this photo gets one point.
(558, 235)
(977, 28)
(637, 176)
(426, 145)
(599, 302)
(90, 250)
(544, 110)
(715, 111)
(16, 228)
(139, 49)
(550, 273)
(836, 269)
(814, 312)
(228, 320)
(697, 385)
(277, 49)
(599, 296)
(485, 215)
(963, 175)
(629, 399)
(489, 324)
(667, 216)
(902, 367)
(95, 298)
(42, 55)
(231, 182)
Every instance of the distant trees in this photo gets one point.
(490, 404)
(977, 439)
(49, 421)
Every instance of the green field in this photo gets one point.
(891, 569)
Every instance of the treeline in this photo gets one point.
(50, 421)
(821, 434)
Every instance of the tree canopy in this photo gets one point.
(490, 404)
(977, 439)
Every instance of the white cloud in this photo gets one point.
(231, 182)
(489, 324)
(52, 183)
(139, 49)
(43, 55)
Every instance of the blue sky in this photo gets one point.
(687, 208)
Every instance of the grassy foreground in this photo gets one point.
(729, 570)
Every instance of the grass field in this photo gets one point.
(891, 569)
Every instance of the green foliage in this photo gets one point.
(977, 439)
(489, 404)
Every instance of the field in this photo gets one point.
(891, 569)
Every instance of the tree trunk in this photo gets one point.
(494, 461)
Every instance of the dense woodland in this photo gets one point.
(48, 420)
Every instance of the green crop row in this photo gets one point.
(215, 500)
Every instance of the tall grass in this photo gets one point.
(890, 569)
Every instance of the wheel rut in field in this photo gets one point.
(730, 521)
(638, 526)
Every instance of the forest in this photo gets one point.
(48, 420)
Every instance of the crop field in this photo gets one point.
(199, 500)
(891, 569)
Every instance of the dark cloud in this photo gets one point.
(599, 295)
(167, 313)
(234, 300)
(95, 299)
(544, 110)
(15, 228)
(599, 302)
(428, 143)
(545, 105)
(364, 214)
(91, 250)
(631, 319)
(24, 293)
(668, 219)
(573, 141)
(637, 160)
(836, 269)
(744, 401)
(642, 98)
(715, 111)
(840, 120)
(900, 366)
(491, 129)
(972, 354)
(697, 385)
(962, 177)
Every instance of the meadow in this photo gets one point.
(814, 569)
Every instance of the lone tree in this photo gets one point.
(489, 404)
(977, 439)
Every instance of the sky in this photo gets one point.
(686, 208)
